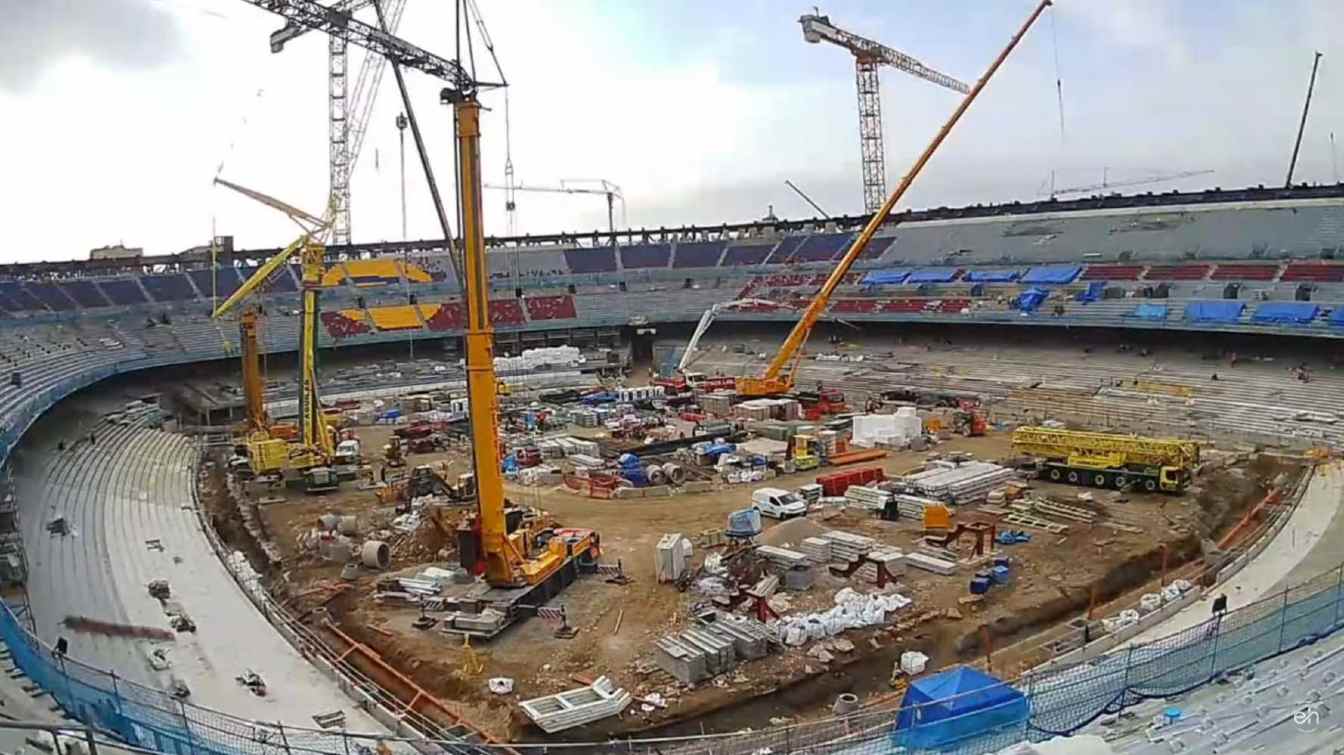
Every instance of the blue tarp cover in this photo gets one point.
(1149, 311)
(1286, 312)
(1092, 292)
(954, 705)
(1029, 300)
(1052, 274)
(885, 277)
(991, 276)
(933, 275)
(1217, 310)
(1337, 317)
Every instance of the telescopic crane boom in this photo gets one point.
(868, 56)
(779, 374)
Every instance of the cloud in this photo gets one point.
(116, 34)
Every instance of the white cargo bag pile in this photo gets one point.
(852, 610)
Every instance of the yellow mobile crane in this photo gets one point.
(779, 373)
(311, 452)
(1109, 460)
(527, 568)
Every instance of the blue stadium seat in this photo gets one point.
(645, 256)
(748, 254)
(122, 291)
(785, 251)
(175, 287)
(50, 295)
(823, 246)
(226, 281)
(85, 293)
(18, 299)
(698, 254)
(601, 260)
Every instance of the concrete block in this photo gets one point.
(930, 564)
(698, 486)
(657, 491)
(625, 494)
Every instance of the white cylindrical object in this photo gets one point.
(676, 474)
(375, 554)
(846, 703)
(348, 525)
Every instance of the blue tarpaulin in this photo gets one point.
(1299, 312)
(991, 276)
(1218, 310)
(1052, 274)
(885, 277)
(954, 705)
(1092, 292)
(1029, 300)
(1337, 317)
(1149, 311)
(933, 275)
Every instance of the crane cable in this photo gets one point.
(1059, 85)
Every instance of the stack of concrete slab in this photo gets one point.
(966, 482)
(576, 707)
(817, 548)
(718, 650)
(684, 661)
(782, 557)
(846, 547)
(871, 498)
(892, 559)
(717, 403)
(799, 578)
(912, 506)
(930, 563)
(751, 639)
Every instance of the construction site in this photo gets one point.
(770, 488)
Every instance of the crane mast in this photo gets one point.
(779, 373)
(869, 56)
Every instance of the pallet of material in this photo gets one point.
(751, 639)
(576, 707)
(1063, 511)
(930, 564)
(912, 506)
(856, 457)
(874, 499)
(967, 482)
(893, 559)
(1023, 519)
(719, 654)
(782, 557)
(817, 548)
(684, 661)
(847, 547)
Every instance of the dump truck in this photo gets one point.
(1109, 460)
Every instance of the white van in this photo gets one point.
(778, 503)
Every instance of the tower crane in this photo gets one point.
(608, 189)
(779, 373)
(869, 55)
(348, 110)
(527, 568)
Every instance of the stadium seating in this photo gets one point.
(785, 251)
(50, 295)
(403, 317)
(823, 246)
(122, 291)
(287, 280)
(645, 256)
(582, 261)
(449, 316)
(550, 308)
(697, 254)
(747, 254)
(1318, 272)
(903, 305)
(506, 312)
(1177, 272)
(15, 298)
(85, 293)
(1112, 272)
(175, 287)
(222, 280)
(345, 323)
(854, 306)
(1243, 272)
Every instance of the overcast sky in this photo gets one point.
(118, 113)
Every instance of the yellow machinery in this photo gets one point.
(312, 451)
(779, 374)
(1109, 460)
(805, 454)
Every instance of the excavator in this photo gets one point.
(778, 376)
(311, 453)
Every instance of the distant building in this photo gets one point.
(116, 252)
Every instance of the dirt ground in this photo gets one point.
(1053, 582)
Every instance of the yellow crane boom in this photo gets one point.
(779, 374)
(1058, 443)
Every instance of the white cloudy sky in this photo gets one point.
(117, 113)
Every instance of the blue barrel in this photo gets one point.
(979, 586)
(1001, 575)
(1001, 561)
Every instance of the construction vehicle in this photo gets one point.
(311, 453)
(821, 402)
(969, 420)
(394, 452)
(1109, 460)
(778, 376)
(806, 452)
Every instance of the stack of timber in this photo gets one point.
(967, 482)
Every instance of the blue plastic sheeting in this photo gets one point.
(1149, 311)
(885, 277)
(1337, 317)
(1031, 299)
(1218, 310)
(1052, 274)
(955, 705)
(1295, 312)
(991, 276)
(933, 275)
(1092, 292)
